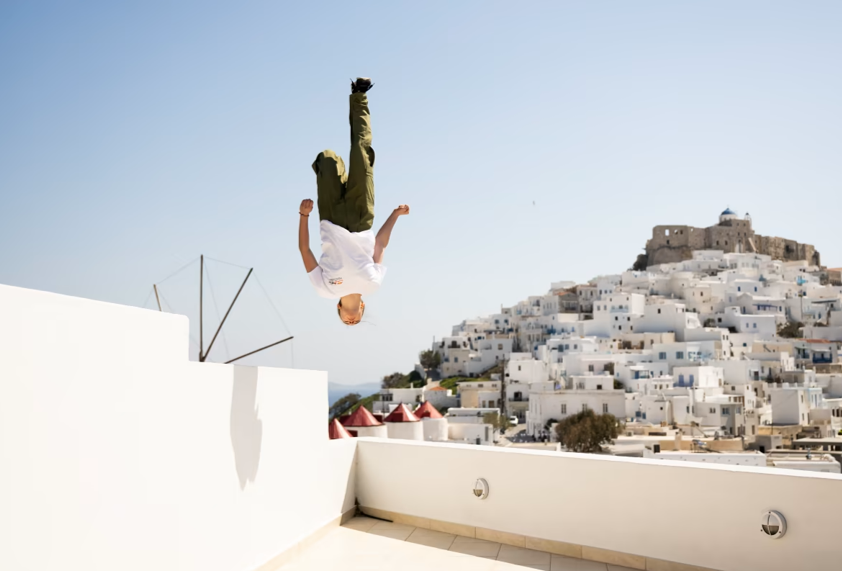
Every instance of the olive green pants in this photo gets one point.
(347, 198)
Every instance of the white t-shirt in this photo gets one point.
(347, 263)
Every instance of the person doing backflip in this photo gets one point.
(351, 262)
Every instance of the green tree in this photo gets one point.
(618, 385)
(640, 263)
(496, 420)
(429, 359)
(344, 405)
(587, 431)
(394, 381)
(792, 329)
(416, 379)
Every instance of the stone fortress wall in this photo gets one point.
(675, 243)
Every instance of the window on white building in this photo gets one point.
(605, 408)
(679, 354)
(563, 409)
(585, 408)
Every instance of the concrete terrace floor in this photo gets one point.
(366, 544)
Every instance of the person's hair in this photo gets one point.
(339, 313)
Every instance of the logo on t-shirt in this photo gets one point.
(335, 281)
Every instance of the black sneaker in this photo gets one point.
(362, 85)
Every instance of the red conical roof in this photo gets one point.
(361, 417)
(336, 430)
(401, 414)
(426, 410)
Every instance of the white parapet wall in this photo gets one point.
(435, 429)
(707, 516)
(405, 430)
(116, 452)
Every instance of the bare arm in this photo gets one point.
(307, 256)
(385, 232)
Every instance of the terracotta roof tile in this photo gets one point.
(360, 417)
(401, 414)
(426, 410)
(336, 430)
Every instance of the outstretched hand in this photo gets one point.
(385, 232)
(306, 206)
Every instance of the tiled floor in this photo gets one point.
(365, 544)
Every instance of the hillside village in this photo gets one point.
(726, 355)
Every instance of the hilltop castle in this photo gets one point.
(732, 234)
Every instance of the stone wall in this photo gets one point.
(675, 243)
(786, 250)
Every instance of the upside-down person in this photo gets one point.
(352, 256)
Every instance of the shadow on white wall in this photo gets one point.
(246, 427)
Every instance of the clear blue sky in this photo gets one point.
(136, 135)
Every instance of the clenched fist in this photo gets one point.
(306, 207)
(402, 210)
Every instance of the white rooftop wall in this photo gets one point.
(595, 507)
(116, 452)
(435, 429)
(405, 430)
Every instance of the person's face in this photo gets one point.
(349, 317)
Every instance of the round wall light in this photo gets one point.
(481, 488)
(773, 524)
